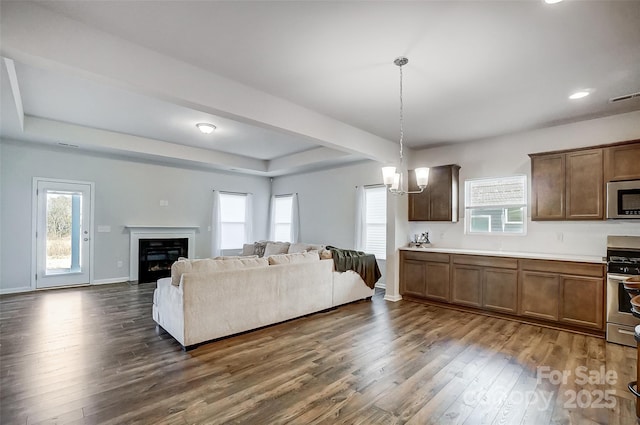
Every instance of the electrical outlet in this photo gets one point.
(164, 203)
(560, 236)
(119, 264)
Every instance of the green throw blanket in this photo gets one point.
(363, 264)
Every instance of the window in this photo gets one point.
(376, 221)
(496, 205)
(282, 217)
(232, 220)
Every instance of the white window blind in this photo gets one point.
(232, 220)
(376, 221)
(283, 207)
(496, 205)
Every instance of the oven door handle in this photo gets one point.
(617, 278)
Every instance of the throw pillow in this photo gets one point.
(259, 247)
(298, 257)
(234, 257)
(248, 249)
(298, 247)
(274, 248)
(316, 247)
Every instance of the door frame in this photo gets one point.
(34, 225)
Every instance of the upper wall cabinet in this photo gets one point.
(567, 186)
(439, 200)
(548, 187)
(622, 162)
(570, 185)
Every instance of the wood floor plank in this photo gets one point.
(93, 355)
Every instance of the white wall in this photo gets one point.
(508, 155)
(127, 192)
(327, 201)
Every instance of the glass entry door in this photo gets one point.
(62, 233)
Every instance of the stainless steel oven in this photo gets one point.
(623, 261)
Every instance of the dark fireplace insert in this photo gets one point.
(157, 256)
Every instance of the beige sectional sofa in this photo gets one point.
(210, 299)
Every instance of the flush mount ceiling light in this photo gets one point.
(580, 94)
(395, 180)
(206, 128)
(552, 1)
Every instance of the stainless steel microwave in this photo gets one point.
(623, 199)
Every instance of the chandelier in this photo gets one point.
(395, 180)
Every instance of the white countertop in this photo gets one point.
(513, 254)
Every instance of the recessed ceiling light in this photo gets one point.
(552, 1)
(206, 128)
(579, 94)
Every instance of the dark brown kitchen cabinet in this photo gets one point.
(414, 277)
(425, 275)
(539, 295)
(622, 162)
(437, 281)
(582, 301)
(585, 185)
(500, 290)
(567, 185)
(563, 292)
(548, 187)
(490, 283)
(439, 200)
(467, 285)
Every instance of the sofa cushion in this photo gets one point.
(234, 257)
(298, 257)
(274, 248)
(298, 247)
(248, 249)
(304, 247)
(183, 265)
(208, 265)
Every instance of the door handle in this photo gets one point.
(86, 239)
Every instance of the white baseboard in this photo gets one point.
(392, 298)
(4, 291)
(113, 280)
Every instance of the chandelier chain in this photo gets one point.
(401, 118)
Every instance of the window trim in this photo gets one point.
(504, 207)
(366, 224)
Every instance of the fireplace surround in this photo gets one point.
(142, 232)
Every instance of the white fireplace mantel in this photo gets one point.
(147, 231)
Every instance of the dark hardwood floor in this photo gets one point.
(94, 356)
